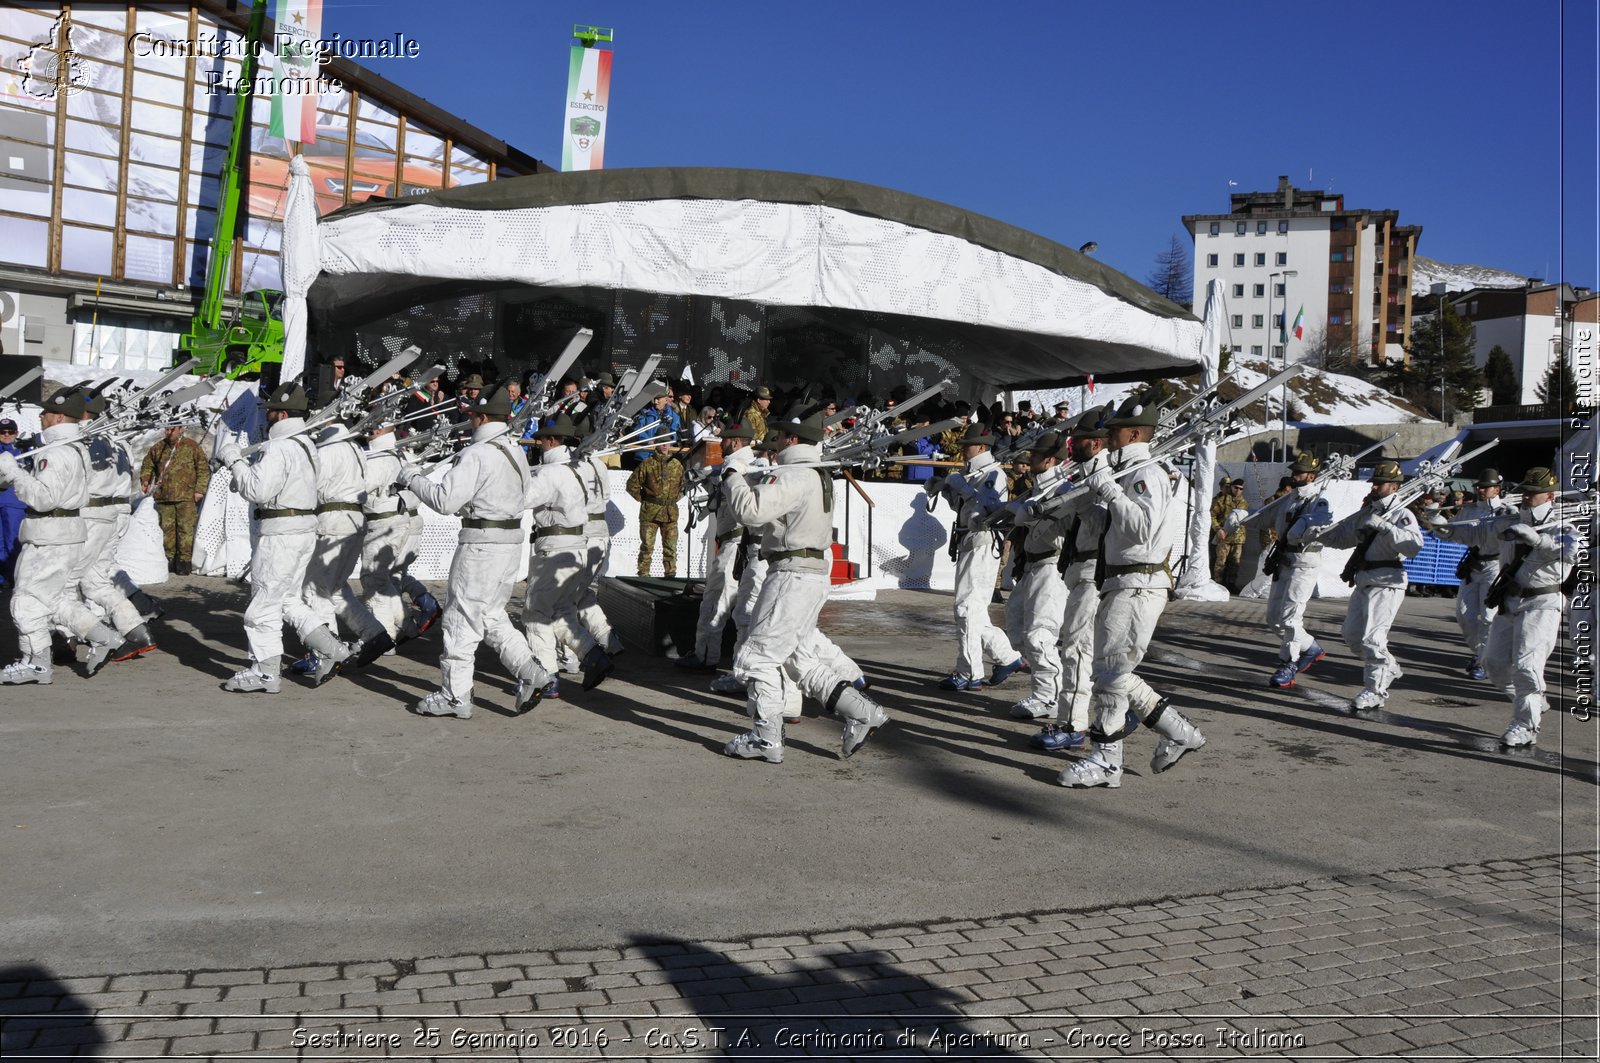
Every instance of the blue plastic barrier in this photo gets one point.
(1435, 563)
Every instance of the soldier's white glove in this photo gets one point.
(224, 448)
(1374, 521)
(1521, 533)
(1434, 519)
(8, 467)
(1103, 485)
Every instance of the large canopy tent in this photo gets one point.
(740, 274)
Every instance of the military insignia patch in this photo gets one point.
(770, 478)
(42, 464)
(1139, 488)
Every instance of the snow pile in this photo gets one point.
(1426, 272)
(1315, 397)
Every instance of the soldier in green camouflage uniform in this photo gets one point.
(656, 485)
(1229, 545)
(176, 473)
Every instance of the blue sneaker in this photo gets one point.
(1003, 672)
(552, 690)
(1313, 654)
(1284, 676)
(861, 684)
(1477, 672)
(306, 665)
(1054, 738)
(954, 681)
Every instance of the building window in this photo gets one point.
(1261, 258)
(1277, 289)
(1238, 322)
(1277, 351)
(1255, 349)
(1238, 260)
(1238, 291)
(1256, 321)
(1211, 260)
(1337, 256)
(1216, 227)
(1283, 258)
(1277, 322)
(1260, 290)
(1238, 349)
(1238, 229)
(1283, 227)
(1336, 318)
(1261, 228)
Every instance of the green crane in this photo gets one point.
(251, 343)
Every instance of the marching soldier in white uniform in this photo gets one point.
(51, 537)
(341, 527)
(1034, 610)
(975, 491)
(1293, 565)
(1480, 567)
(282, 482)
(716, 601)
(386, 539)
(1537, 554)
(1381, 534)
(557, 563)
(794, 505)
(1141, 523)
(488, 486)
(597, 537)
(105, 517)
(1084, 522)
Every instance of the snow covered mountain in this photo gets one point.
(1426, 272)
(1315, 397)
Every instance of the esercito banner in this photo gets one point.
(583, 144)
(294, 99)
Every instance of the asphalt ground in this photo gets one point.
(156, 823)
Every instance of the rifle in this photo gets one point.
(869, 422)
(350, 403)
(1209, 425)
(1171, 417)
(1431, 475)
(1339, 467)
(539, 405)
(127, 411)
(633, 391)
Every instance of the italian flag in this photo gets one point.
(294, 104)
(1300, 324)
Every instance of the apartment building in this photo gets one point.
(1300, 255)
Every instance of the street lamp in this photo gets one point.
(1283, 338)
(1444, 413)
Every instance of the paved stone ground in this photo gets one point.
(1481, 961)
(187, 872)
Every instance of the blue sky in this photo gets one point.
(1079, 121)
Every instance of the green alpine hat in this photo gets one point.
(1134, 414)
(558, 427)
(290, 397)
(493, 406)
(1387, 472)
(1539, 480)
